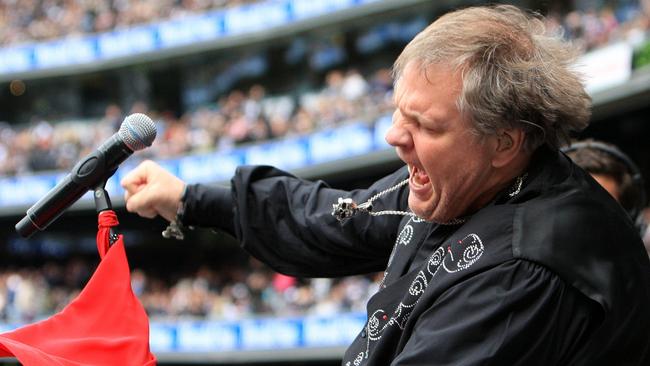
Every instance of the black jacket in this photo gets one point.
(551, 274)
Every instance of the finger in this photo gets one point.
(147, 213)
(135, 179)
(142, 203)
(127, 195)
(133, 182)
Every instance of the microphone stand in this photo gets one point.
(103, 203)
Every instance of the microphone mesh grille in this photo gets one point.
(137, 131)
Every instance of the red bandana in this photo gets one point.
(104, 325)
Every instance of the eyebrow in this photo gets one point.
(410, 114)
(416, 116)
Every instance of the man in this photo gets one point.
(613, 170)
(618, 175)
(496, 249)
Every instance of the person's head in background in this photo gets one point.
(615, 172)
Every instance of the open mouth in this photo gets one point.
(419, 180)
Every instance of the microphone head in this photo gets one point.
(137, 131)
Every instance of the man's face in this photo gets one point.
(450, 167)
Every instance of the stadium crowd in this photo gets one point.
(235, 119)
(210, 293)
(590, 28)
(27, 294)
(240, 117)
(36, 20)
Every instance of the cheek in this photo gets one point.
(454, 169)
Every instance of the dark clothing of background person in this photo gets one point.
(551, 272)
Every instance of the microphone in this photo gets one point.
(136, 132)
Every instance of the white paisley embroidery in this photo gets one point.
(417, 219)
(358, 359)
(405, 235)
(433, 265)
(372, 328)
(418, 285)
(404, 238)
(471, 253)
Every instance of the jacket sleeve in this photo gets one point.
(518, 313)
(286, 222)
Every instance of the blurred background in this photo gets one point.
(301, 84)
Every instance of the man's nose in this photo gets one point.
(398, 136)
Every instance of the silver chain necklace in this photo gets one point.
(345, 208)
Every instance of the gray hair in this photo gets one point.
(514, 74)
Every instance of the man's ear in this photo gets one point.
(510, 143)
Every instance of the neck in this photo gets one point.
(502, 179)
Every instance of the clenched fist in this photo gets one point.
(152, 190)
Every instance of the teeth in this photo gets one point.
(419, 176)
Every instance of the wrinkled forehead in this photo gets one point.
(431, 93)
(437, 79)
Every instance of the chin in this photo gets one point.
(422, 210)
(428, 213)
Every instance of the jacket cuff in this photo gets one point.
(208, 206)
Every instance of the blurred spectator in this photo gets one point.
(613, 170)
(42, 155)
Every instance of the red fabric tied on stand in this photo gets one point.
(104, 325)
